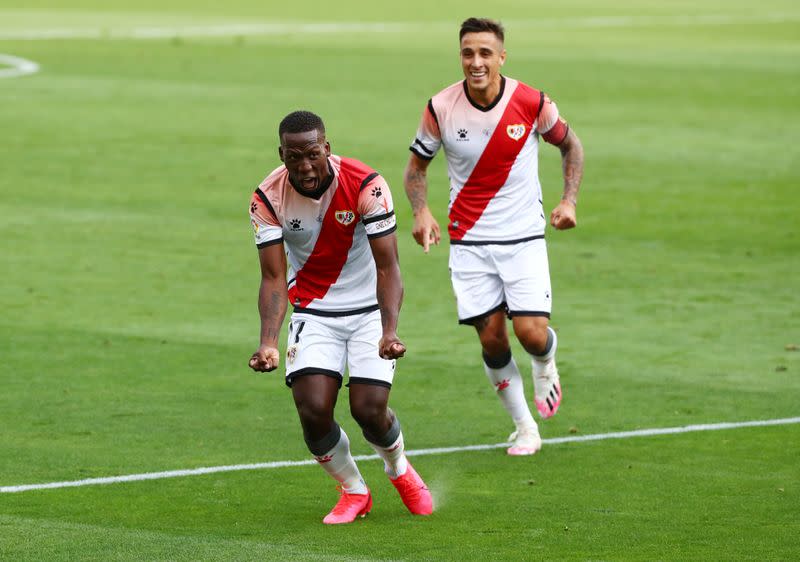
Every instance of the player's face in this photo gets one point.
(482, 55)
(306, 158)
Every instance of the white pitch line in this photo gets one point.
(414, 453)
(19, 67)
(308, 28)
(219, 30)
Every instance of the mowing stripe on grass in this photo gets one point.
(304, 28)
(415, 453)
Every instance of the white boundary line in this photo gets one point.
(19, 67)
(306, 28)
(415, 453)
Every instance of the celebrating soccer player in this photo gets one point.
(489, 126)
(334, 216)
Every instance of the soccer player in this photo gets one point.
(332, 219)
(489, 126)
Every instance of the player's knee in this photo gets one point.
(371, 416)
(495, 344)
(493, 334)
(315, 412)
(533, 338)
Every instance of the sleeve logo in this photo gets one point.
(516, 132)
(345, 217)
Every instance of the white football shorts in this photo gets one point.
(326, 344)
(491, 277)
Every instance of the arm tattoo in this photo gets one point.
(273, 327)
(416, 184)
(572, 166)
(272, 309)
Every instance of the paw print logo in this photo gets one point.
(253, 207)
(376, 191)
(462, 134)
(294, 224)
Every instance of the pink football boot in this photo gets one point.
(348, 508)
(413, 491)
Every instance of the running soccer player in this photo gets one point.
(335, 219)
(489, 126)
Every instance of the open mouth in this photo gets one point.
(309, 183)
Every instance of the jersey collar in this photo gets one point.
(496, 100)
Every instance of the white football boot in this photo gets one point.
(546, 384)
(525, 441)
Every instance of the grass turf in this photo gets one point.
(129, 285)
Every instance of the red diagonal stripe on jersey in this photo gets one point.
(494, 165)
(324, 265)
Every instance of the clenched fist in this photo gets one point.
(265, 359)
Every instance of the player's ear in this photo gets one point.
(327, 148)
(280, 153)
(502, 57)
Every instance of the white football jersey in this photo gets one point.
(492, 159)
(326, 236)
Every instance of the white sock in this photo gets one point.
(550, 352)
(394, 457)
(339, 463)
(507, 383)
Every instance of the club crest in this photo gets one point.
(516, 132)
(345, 217)
(291, 354)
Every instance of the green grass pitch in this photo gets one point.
(129, 281)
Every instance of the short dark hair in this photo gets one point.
(301, 122)
(477, 25)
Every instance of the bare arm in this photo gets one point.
(564, 215)
(272, 296)
(415, 181)
(389, 292)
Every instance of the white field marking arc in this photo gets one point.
(298, 28)
(19, 66)
(414, 453)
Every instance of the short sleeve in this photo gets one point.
(266, 228)
(429, 139)
(549, 124)
(376, 208)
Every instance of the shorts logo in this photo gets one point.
(345, 217)
(516, 132)
(291, 354)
